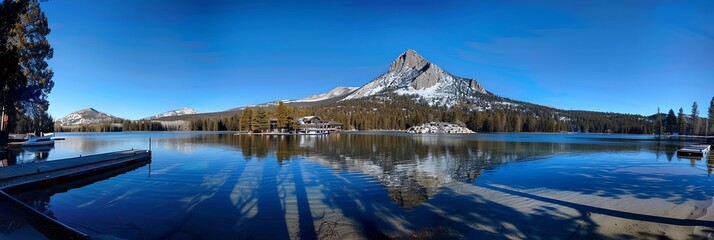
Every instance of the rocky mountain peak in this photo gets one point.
(411, 74)
(409, 60)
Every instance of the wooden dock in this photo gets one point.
(697, 150)
(39, 175)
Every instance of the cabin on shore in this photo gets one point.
(316, 125)
(307, 125)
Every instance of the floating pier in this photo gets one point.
(697, 150)
(685, 138)
(38, 175)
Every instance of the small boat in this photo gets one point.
(38, 141)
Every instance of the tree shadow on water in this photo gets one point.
(469, 216)
(305, 219)
(475, 217)
(610, 181)
(608, 212)
(354, 201)
(269, 221)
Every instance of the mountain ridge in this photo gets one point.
(334, 95)
(86, 116)
(175, 112)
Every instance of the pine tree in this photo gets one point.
(682, 119)
(670, 121)
(711, 116)
(282, 115)
(246, 120)
(260, 120)
(658, 123)
(696, 124)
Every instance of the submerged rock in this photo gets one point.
(438, 127)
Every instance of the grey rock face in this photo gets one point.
(409, 60)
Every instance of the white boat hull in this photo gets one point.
(38, 141)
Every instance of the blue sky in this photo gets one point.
(138, 58)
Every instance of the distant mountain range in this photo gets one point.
(92, 116)
(177, 112)
(409, 75)
(332, 96)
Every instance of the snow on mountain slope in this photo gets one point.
(337, 92)
(177, 112)
(86, 116)
(411, 74)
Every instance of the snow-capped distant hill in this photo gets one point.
(86, 116)
(334, 93)
(177, 112)
(332, 96)
(411, 74)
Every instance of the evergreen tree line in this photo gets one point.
(120, 125)
(401, 112)
(43, 122)
(142, 125)
(686, 123)
(251, 120)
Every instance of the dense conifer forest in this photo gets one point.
(396, 112)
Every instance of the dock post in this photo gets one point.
(149, 144)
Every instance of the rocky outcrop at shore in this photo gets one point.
(438, 127)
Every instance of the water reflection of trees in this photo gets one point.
(411, 167)
(251, 146)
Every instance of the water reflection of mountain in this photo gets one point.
(411, 167)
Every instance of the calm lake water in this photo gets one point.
(218, 185)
